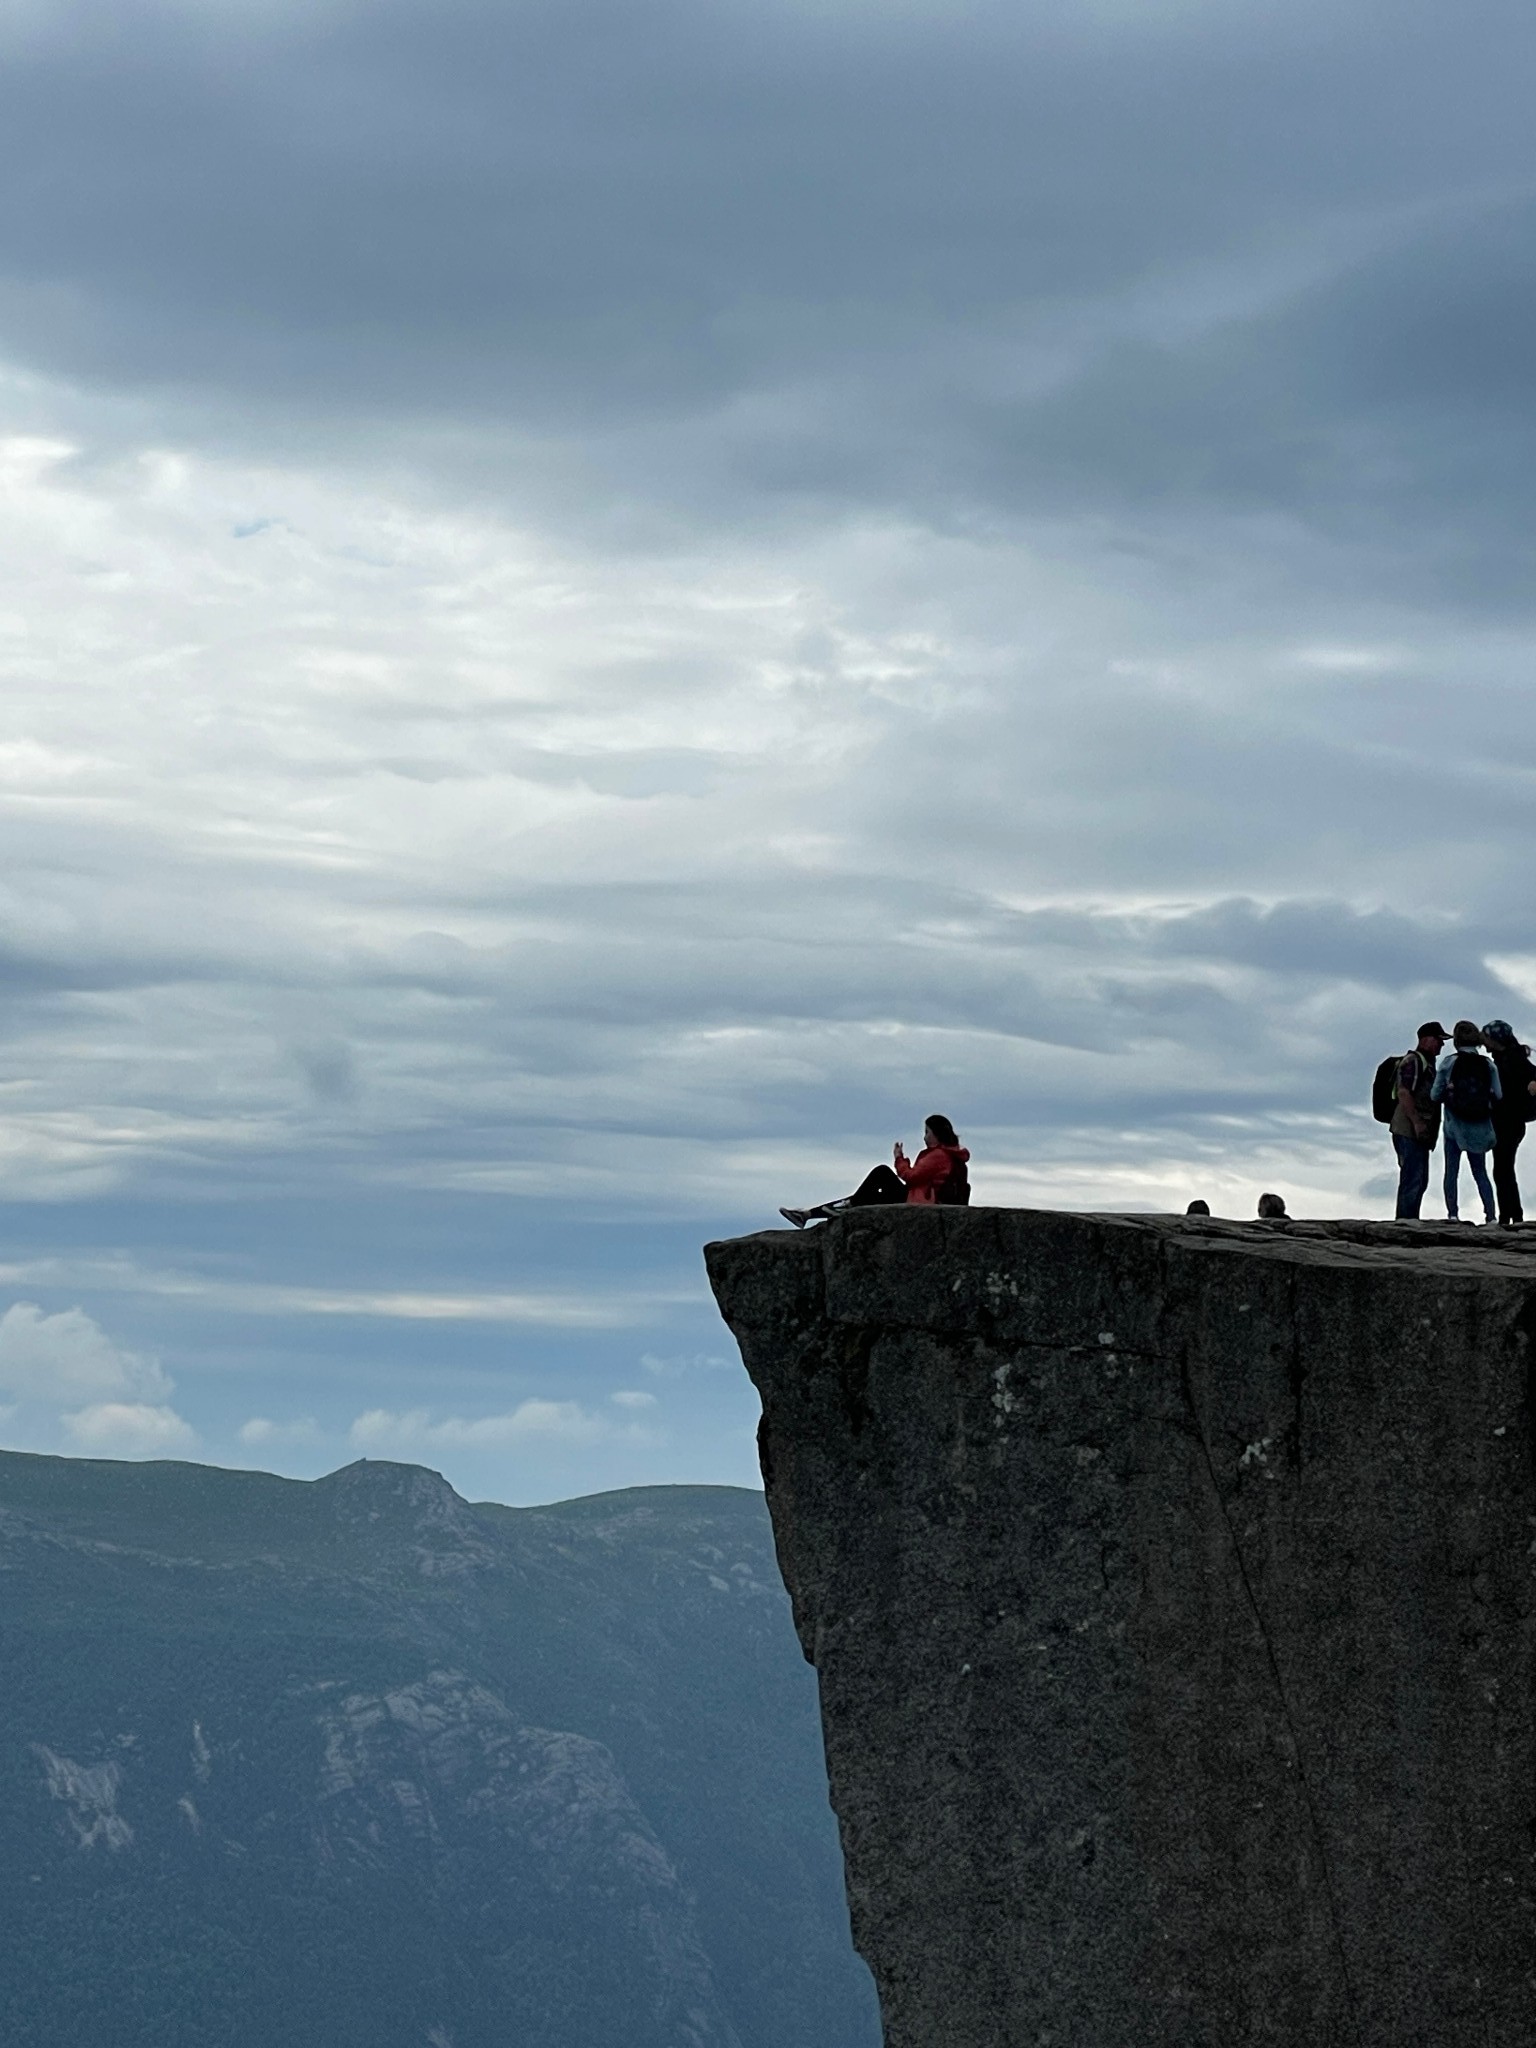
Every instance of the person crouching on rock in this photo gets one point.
(937, 1174)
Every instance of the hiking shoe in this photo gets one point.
(798, 1217)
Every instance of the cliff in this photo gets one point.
(1169, 1583)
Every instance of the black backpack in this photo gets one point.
(956, 1191)
(1469, 1087)
(1384, 1089)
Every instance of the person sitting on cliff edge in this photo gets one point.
(937, 1174)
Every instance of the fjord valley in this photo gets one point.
(356, 1761)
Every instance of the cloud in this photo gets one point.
(57, 1359)
(676, 1368)
(541, 956)
(530, 1422)
(593, 1307)
(633, 1397)
(259, 1431)
(130, 1429)
(50, 1362)
(329, 1070)
(1516, 971)
(779, 258)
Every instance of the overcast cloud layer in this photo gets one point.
(605, 605)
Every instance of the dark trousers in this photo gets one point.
(1506, 1143)
(1412, 1175)
(880, 1187)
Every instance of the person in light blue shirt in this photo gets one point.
(1467, 1086)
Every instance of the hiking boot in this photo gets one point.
(799, 1217)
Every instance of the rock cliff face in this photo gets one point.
(1170, 1585)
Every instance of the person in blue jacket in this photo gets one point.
(1466, 1085)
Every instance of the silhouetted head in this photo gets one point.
(1466, 1037)
(1499, 1034)
(938, 1130)
(1431, 1038)
(1198, 1208)
(1271, 1208)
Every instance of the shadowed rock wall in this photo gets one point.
(1170, 1585)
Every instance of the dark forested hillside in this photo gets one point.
(355, 1764)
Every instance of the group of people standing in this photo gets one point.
(1477, 1088)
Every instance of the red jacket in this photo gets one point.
(927, 1173)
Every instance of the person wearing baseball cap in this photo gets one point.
(1416, 1120)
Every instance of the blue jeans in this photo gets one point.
(1478, 1161)
(1412, 1175)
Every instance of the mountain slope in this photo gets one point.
(357, 1762)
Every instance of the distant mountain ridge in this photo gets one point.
(354, 1763)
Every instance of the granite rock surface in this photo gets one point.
(1170, 1587)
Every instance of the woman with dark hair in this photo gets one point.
(1511, 1113)
(937, 1174)
(1467, 1083)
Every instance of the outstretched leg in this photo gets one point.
(882, 1187)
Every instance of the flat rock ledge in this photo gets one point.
(1170, 1586)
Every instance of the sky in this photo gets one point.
(604, 606)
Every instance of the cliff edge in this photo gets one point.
(1170, 1587)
